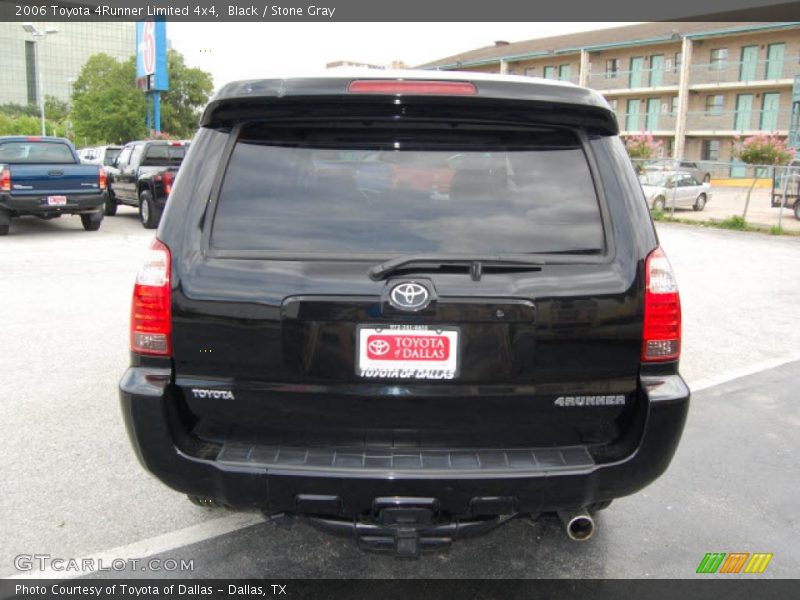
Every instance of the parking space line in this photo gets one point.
(727, 376)
(154, 545)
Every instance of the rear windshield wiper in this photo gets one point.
(475, 264)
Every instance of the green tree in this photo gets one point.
(106, 106)
(189, 91)
(55, 109)
(761, 149)
(16, 110)
(23, 124)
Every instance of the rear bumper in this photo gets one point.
(37, 205)
(307, 480)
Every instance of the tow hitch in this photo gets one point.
(406, 526)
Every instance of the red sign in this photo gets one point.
(408, 347)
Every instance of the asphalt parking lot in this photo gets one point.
(74, 488)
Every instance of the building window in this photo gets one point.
(564, 72)
(710, 150)
(719, 59)
(714, 104)
(530, 72)
(613, 104)
(678, 61)
(549, 73)
(612, 68)
(674, 105)
(30, 71)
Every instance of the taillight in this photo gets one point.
(102, 180)
(150, 312)
(412, 86)
(5, 181)
(662, 311)
(168, 177)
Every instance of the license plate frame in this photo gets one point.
(56, 201)
(415, 365)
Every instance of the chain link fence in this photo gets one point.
(715, 191)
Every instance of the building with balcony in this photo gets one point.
(61, 56)
(695, 86)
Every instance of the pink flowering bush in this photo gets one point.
(642, 146)
(763, 149)
(159, 135)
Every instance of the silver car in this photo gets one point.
(687, 166)
(664, 189)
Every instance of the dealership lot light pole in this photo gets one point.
(38, 33)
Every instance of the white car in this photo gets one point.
(667, 189)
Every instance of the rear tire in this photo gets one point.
(797, 210)
(659, 204)
(148, 213)
(707, 178)
(92, 221)
(111, 204)
(3, 229)
(700, 203)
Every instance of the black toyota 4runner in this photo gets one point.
(407, 308)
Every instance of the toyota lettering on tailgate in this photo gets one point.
(404, 354)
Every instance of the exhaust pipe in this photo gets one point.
(578, 524)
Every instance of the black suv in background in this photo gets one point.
(407, 308)
(143, 176)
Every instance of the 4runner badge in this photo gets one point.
(215, 394)
(590, 401)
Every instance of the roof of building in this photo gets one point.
(627, 35)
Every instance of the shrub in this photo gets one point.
(642, 146)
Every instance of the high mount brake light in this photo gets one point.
(412, 87)
(151, 325)
(662, 311)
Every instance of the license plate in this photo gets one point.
(401, 352)
(56, 200)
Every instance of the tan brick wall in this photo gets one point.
(699, 118)
(703, 72)
(538, 65)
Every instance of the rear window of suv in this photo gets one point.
(384, 190)
(164, 152)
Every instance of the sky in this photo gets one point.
(232, 51)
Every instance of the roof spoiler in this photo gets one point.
(496, 101)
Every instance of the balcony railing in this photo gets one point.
(573, 78)
(638, 122)
(743, 72)
(743, 120)
(641, 79)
